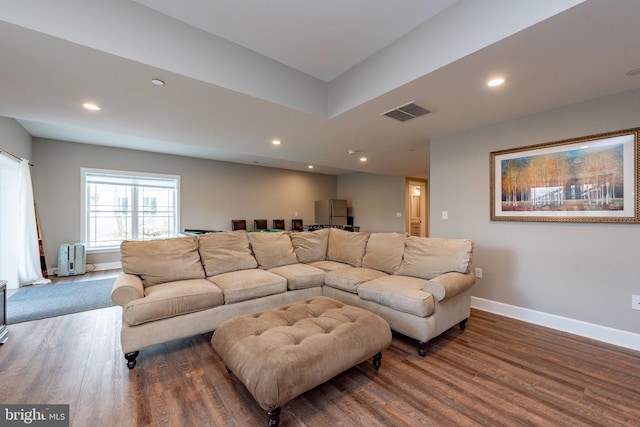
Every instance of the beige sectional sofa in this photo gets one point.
(180, 287)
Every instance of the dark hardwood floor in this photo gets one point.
(498, 372)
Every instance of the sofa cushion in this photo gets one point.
(348, 279)
(163, 260)
(401, 293)
(346, 246)
(300, 276)
(172, 299)
(429, 257)
(272, 249)
(329, 265)
(384, 251)
(226, 251)
(250, 284)
(310, 246)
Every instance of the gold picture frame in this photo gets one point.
(588, 179)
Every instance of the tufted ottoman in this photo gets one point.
(280, 353)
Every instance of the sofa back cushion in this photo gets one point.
(161, 261)
(429, 257)
(272, 249)
(310, 246)
(346, 246)
(226, 251)
(384, 251)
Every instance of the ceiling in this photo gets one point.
(315, 75)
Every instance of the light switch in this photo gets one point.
(445, 214)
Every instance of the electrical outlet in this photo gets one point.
(479, 273)
(635, 302)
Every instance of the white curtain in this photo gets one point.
(28, 252)
(9, 170)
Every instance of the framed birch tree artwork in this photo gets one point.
(587, 179)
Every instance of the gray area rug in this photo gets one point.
(42, 301)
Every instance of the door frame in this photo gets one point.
(424, 225)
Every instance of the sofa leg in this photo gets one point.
(463, 324)
(131, 359)
(422, 348)
(377, 361)
(274, 417)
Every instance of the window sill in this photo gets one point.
(105, 250)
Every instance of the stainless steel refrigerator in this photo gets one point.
(331, 212)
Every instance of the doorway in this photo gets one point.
(416, 207)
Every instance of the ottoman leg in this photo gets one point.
(377, 360)
(274, 416)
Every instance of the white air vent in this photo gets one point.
(407, 112)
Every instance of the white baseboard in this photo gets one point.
(107, 266)
(565, 324)
(91, 267)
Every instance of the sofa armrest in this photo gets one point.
(126, 288)
(449, 284)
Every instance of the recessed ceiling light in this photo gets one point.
(363, 159)
(157, 82)
(310, 166)
(496, 82)
(276, 142)
(91, 106)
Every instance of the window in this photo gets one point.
(121, 206)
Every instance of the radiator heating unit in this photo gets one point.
(72, 259)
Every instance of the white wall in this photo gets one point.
(212, 192)
(375, 200)
(581, 271)
(14, 138)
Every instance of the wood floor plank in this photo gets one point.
(573, 380)
(498, 372)
(97, 381)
